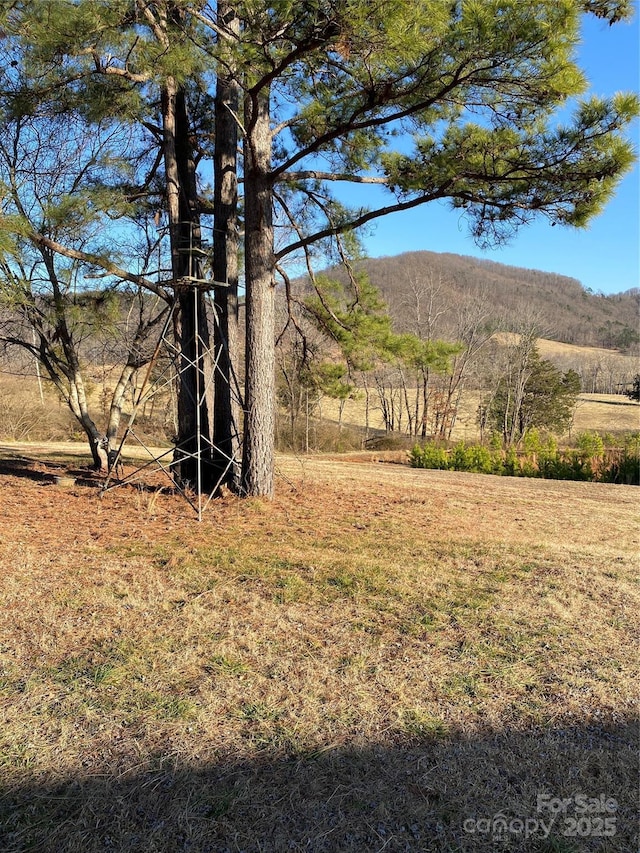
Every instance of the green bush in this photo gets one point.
(531, 442)
(474, 458)
(590, 445)
(429, 456)
(587, 463)
(535, 443)
(566, 466)
(511, 466)
(632, 443)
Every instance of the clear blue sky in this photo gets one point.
(606, 256)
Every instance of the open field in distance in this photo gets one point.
(594, 412)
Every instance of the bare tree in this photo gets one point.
(51, 247)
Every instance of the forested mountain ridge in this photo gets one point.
(564, 310)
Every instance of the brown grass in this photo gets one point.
(365, 663)
(604, 413)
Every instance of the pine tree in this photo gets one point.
(326, 91)
(331, 85)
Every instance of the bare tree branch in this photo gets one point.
(98, 261)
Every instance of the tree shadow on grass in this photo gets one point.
(50, 473)
(498, 792)
(24, 468)
(43, 471)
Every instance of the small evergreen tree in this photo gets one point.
(357, 319)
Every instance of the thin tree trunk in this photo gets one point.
(117, 400)
(407, 404)
(425, 402)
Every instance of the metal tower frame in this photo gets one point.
(177, 364)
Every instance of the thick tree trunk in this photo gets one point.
(190, 320)
(226, 423)
(194, 436)
(259, 436)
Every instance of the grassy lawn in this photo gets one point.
(379, 659)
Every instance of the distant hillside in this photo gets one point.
(566, 311)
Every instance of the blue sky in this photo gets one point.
(605, 257)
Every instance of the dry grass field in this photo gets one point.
(604, 413)
(380, 659)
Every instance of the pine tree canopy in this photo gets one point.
(429, 99)
(480, 103)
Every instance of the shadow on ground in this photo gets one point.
(500, 792)
(49, 473)
(43, 471)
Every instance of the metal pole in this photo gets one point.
(198, 426)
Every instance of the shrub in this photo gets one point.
(590, 445)
(511, 466)
(495, 442)
(624, 468)
(632, 443)
(475, 458)
(570, 465)
(549, 463)
(532, 443)
(429, 456)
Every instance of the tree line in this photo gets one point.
(567, 311)
(344, 344)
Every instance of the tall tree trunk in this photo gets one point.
(190, 320)
(259, 451)
(225, 269)
(407, 404)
